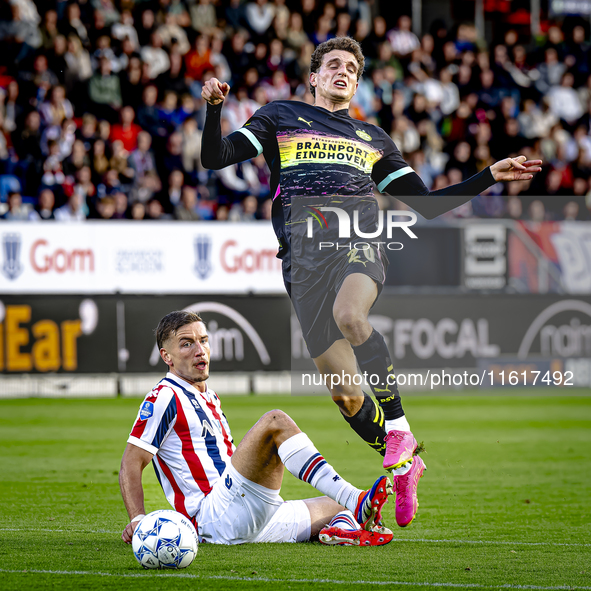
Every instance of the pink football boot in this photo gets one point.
(400, 445)
(405, 487)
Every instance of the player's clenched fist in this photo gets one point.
(214, 91)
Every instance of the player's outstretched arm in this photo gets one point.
(134, 460)
(410, 189)
(218, 152)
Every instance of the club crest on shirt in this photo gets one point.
(364, 135)
(147, 410)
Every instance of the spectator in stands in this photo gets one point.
(44, 208)
(174, 79)
(104, 90)
(462, 92)
(138, 211)
(323, 31)
(187, 207)
(39, 80)
(171, 195)
(121, 206)
(514, 207)
(191, 149)
(402, 39)
(85, 187)
(564, 101)
(245, 211)
(222, 213)
(549, 73)
(105, 208)
(172, 158)
(148, 116)
(77, 159)
(73, 210)
(126, 131)
(120, 162)
(124, 29)
(99, 160)
(78, 68)
(155, 56)
(155, 211)
(142, 159)
(259, 17)
(73, 27)
(172, 34)
(296, 37)
(198, 60)
(48, 29)
(203, 16)
(146, 26)
(17, 212)
(27, 144)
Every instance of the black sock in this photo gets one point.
(373, 357)
(368, 423)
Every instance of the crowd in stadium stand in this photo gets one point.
(101, 113)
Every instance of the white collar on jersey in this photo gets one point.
(208, 394)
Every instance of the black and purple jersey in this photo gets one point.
(320, 155)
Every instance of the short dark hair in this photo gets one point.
(343, 43)
(172, 322)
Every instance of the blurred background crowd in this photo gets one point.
(101, 114)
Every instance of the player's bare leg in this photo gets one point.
(256, 456)
(361, 412)
(322, 510)
(351, 311)
(276, 441)
(352, 305)
(337, 359)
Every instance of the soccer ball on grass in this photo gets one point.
(165, 539)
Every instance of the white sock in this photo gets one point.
(344, 520)
(303, 460)
(399, 424)
(403, 469)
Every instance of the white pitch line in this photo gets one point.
(497, 542)
(316, 581)
(409, 540)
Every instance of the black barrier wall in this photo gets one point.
(434, 331)
(104, 334)
(96, 334)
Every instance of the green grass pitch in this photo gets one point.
(505, 502)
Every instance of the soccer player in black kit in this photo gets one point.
(321, 158)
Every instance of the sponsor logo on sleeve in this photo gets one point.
(147, 410)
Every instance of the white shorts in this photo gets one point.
(238, 511)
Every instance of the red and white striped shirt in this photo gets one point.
(190, 437)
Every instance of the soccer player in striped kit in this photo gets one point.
(231, 494)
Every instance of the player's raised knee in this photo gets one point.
(348, 320)
(276, 418)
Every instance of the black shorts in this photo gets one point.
(313, 291)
